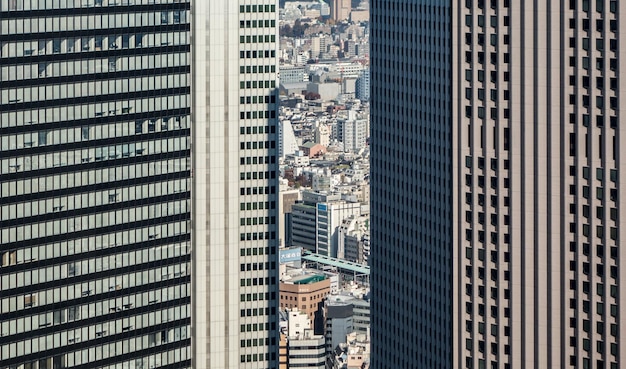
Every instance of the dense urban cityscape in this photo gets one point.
(331, 184)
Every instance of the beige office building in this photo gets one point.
(537, 168)
(505, 233)
(340, 9)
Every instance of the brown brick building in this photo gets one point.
(306, 292)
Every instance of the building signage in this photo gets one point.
(289, 255)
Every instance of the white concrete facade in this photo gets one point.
(234, 183)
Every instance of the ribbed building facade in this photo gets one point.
(411, 184)
(534, 146)
(138, 184)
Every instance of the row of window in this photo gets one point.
(257, 114)
(85, 68)
(257, 8)
(79, 201)
(257, 54)
(93, 221)
(146, 105)
(96, 309)
(98, 154)
(469, 327)
(481, 76)
(90, 355)
(62, 338)
(253, 236)
(599, 253)
(60, 181)
(91, 288)
(255, 297)
(480, 38)
(255, 342)
(92, 132)
(586, 325)
(90, 266)
(257, 220)
(600, 231)
(481, 163)
(481, 4)
(599, 24)
(257, 39)
(599, 5)
(599, 308)
(85, 23)
(599, 102)
(257, 205)
(599, 44)
(180, 357)
(599, 64)
(130, 85)
(250, 358)
(268, 23)
(586, 211)
(599, 83)
(257, 160)
(249, 251)
(493, 21)
(17, 5)
(481, 256)
(9, 49)
(268, 99)
(257, 145)
(119, 240)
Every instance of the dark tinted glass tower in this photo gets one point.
(411, 183)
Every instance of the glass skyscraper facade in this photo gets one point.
(411, 184)
(496, 172)
(95, 184)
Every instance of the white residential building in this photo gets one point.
(354, 134)
(297, 323)
(306, 350)
(288, 144)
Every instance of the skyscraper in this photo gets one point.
(235, 184)
(95, 183)
(495, 170)
(340, 9)
(130, 159)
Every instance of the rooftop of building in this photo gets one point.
(308, 279)
(302, 276)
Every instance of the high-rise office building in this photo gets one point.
(495, 170)
(95, 184)
(98, 158)
(410, 184)
(235, 184)
(340, 9)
